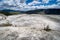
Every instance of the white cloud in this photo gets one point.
(58, 0)
(34, 2)
(45, 1)
(26, 7)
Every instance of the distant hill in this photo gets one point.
(38, 11)
(45, 11)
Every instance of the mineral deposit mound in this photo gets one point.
(29, 27)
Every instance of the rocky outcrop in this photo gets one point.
(3, 21)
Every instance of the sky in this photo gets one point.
(25, 5)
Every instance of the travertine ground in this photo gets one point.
(30, 27)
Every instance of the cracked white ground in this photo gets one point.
(30, 27)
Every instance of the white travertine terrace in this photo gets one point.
(29, 27)
(27, 33)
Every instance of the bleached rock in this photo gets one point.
(29, 27)
(27, 33)
(34, 20)
(2, 17)
(3, 21)
(25, 20)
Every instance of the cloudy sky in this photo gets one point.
(25, 5)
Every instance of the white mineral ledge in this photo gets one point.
(30, 27)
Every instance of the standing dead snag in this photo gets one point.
(47, 28)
